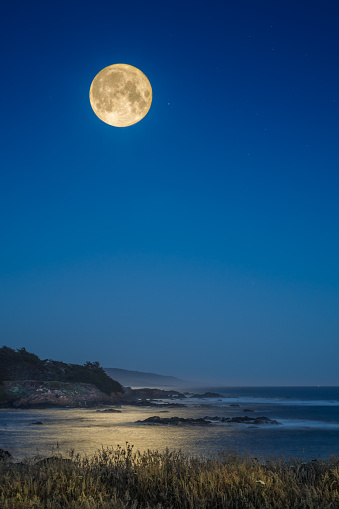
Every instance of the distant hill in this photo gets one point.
(140, 379)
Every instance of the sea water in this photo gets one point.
(308, 417)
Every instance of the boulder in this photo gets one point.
(249, 420)
(207, 395)
(4, 455)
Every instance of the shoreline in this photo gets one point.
(306, 430)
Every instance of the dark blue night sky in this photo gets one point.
(201, 242)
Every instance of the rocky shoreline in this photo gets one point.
(53, 394)
(36, 394)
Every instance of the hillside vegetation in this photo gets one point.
(19, 365)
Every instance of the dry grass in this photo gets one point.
(121, 478)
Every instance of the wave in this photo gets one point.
(260, 401)
(308, 424)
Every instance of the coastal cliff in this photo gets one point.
(44, 394)
(26, 381)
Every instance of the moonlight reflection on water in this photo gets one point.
(309, 426)
(86, 430)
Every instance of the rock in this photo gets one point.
(51, 394)
(37, 422)
(215, 418)
(248, 410)
(175, 421)
(234, 404)
(265, 420)
(206, 421)
(153, 403)
(207, 395)
(110, 410)
(173, 405)
(249, 420)
(147, 393)
(4, 455)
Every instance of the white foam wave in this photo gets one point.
(306, 424)
(260, 401)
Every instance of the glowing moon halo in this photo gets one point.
(120, 95)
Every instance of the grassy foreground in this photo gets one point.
(121, 478)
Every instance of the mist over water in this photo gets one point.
(308, 417)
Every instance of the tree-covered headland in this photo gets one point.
(19, 365)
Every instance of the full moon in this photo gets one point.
(120, 95)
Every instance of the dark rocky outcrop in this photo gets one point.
(52, 394)
(207, 421)
(242, 420)
(148, 397)
(147, 393)
(175, 421)
(37, 394)
(4, 455)
(172, 405)
(151, 403)
(249, 420)
(110, 411)
(207, 395)
(215, 418)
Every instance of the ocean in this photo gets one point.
(308, 417)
